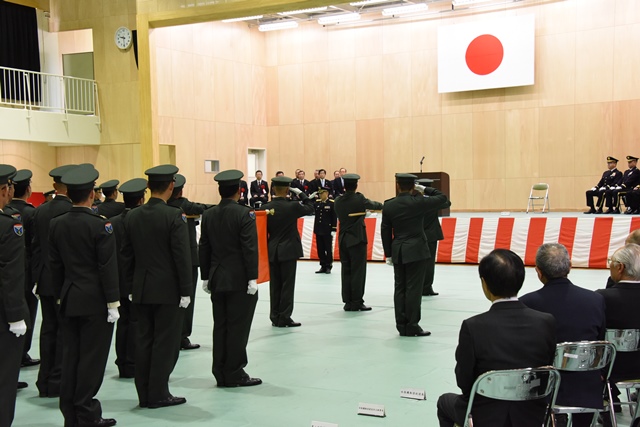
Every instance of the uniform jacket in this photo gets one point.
(282, 227)
(157, 254)
(191, 208)
(228, 247)
(610, 178)
(27, 210)
(579, 315)
(352, 228)
(40, 244)
(316, 184)
(338, 187)
(244, 193)
(631, 178)
(118, 231)
(508, 336)
(84, 265)
(110, 208)
(325, 217)
(260, 190)
(13, 307)
(432, 227)
(402, 228)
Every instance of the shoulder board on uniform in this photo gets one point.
(318, 200)
(331, 200)
(103, 217)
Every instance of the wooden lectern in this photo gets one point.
(441, 182)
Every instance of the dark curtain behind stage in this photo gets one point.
(18, 49)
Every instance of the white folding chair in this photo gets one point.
(627, 340)
(539, 191)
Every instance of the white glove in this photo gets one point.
(594, 189)
(333, 234)
(34, 291)
(112, 315)
(205, 286)
(295, 191)
(313, 195)
(367, 214)
(420, 188)
(131, 297)
(18, 328)
(618, 188)
(389, 261)
(252, 288)
(184, 302)
(603, 188)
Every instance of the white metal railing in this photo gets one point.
(48, 92)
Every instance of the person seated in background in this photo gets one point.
(301, 184)
(611, 178)
(633, 201)
(579, 315)
(259, 191)
(508, 336)
(633, 237)
(630, 180)
(272, 191)
(321, 183)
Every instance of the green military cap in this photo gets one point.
(611, 159)
(180, 181)
(631, 159)
(49, 193)
(7, 172)
(109, 185)
(281, 181)
(228, 178)
(162, 173)
(57, 173)
(134, 187)
(23, 177)
(426, 181)
(80, 178)
(406, 177)
(351, 177)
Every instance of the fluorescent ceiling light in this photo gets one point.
(298, 12)
(368, 2)
(400, 10)
(246, 18)
(466, 2)
(283, 25)
(335, 19)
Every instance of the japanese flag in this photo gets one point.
(486, 54)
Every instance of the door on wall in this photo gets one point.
(167, 154)
(78, 96)
(256, 160)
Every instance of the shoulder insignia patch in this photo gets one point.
(18, 229)
(184, 217)
(108, 228)
(252, 214)
(17, 216)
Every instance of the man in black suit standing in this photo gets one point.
(579, 315)
(338, 183)
(321, 183)
(630, 179)
(285, 248)
(324, 228)
(158, 270)
(405, 246)
(244, 193)
(84, 272)
(301, 184)
(229, 268)
(611, 178)
(110, 207)
(259, 191)
(508, 336)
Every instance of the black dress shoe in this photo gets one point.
(609, 211)
(186, 344)
(430, 294)
(169, 401)
(289, 324)
(126, 375)
(245, 382)
(28, 361)
(420, 333)
(590, 211)
(327, 271)
(22, 384)
(363, 308)
(599, 212)
(321, 271)
(100, 422)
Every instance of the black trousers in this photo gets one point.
(613, 197)
(325, 249)
(159, 327)
(451, 409)
(430, 267)
(10, 356)
(633, 200)
(48, 381)
(126, 338)
(407, 296)
(187, 323)
(232, 317)
(87, 340)
(353, 261)
(597, 193)
(281, 290)
(32, 305)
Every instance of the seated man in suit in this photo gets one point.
(321, 183)
(630, 179)
(579, 315)
(508, 336)
(633, 237)
(259, 191)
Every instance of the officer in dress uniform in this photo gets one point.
(611, 178)
(48, 196)
(193, 211)
(244, 193)
(285, 248)
(133, 195)
(229, 268)
(14, 313)
(630, 179)
(158, 270)
(48, 382)
(324, 227)
(405, 246)
(110, 207)
(84, 271)
(352, 239)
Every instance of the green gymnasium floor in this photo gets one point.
(318, 372)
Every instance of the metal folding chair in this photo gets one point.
(536, 193)
(627, 340)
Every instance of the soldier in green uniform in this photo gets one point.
(324, 227)
(158, 268)
(229, 268)
(285, 248)
(110, 207)
(84, 272)
(352, 239)
(405, 246)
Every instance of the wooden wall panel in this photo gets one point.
(183, 88)
(556, 60)
(342, 90)
(342, 42)
(556, 18)
(592, 14)
(203, 100)
(489, 194)
(626, 84)
(343, 143)
(398, 148)
(290, 94)
(369, 39)
(369, 90)
(316, 147)
(292, 149)
(396, 36)
(517, 193)
(425, 99)
(594, 65)
(397, 85)
(488, 145)
(204, 149)
(461, 193)
(223, 91)
(626, 130)
(556, 139)
(627, 12)
(314, 41)
(593, 138)
(457, 145)
(521, 143)
(370, 159)
(315, 78)
(243, 84)
(426, 137)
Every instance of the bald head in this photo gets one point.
(633, 237)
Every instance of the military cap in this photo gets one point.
(49, 193)
(322, 190)
(228, 178)
(7, 172)
(281, 181)
(180, 181)
(162, 173)
(80, 178)
(406, 177)
(57, 173)
(611, 159)
(631, 159)
(134, 187)
(23, 176)
(351, 177)
(109, 185)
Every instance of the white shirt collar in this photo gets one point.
(505, 300)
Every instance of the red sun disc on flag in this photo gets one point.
(484, 54)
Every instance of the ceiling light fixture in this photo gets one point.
(456, 3)
(368, 2)
(401, 10)
(283, 25)
(246, 18)
(339, 19)
(298, 12)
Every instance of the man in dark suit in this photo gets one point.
(508, 336)
(301, 184)
(14, 313)
(579, 315)
(324, 227)
(48, 382)
(158, 269)
(285, 248)
(193, 211)
(110, 207)
(611, 178)
(259, 191)
(338, 182)
(630, 179)
(272, 192)
(229, 268)
(244, 193)
(84, 272)
(405, 246)
(321, 183)
(351, 210)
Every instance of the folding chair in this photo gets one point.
(536, 194)
(627, 340)
(580, 357)
(516, 385)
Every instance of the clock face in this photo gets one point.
(123, 38)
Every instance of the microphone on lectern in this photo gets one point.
(421, 160)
